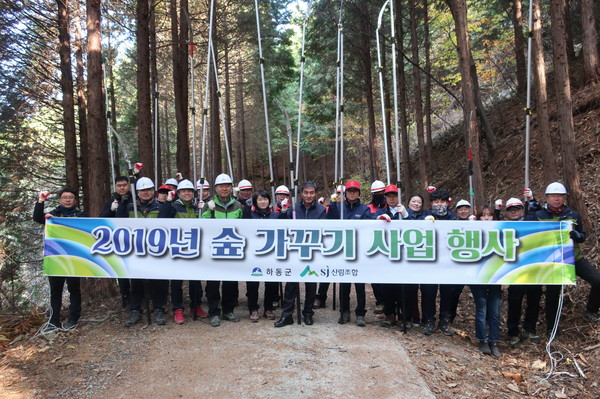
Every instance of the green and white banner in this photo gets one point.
(373, 251)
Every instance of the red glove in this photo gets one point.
(178, 176)
(321, 200)
(472, 217)
(137, 168)
(384, 217)
(499, 204)
(431, 189)
(43, 196)
(450, 200)
(48, 216)
(527, 194)
(171, 196)
(200, 204)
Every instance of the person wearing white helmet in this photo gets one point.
(147, 207)
(463, 210)
(205, 186)
(172, 183)
(67, 200)
(281, 193)
(223, 206)
(244, 193)
(556, 209)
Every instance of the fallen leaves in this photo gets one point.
(516, 377)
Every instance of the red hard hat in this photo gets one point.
(392, 188)
(352, 184)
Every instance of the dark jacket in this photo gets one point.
(60, 211)
(268, 213)
(386, 211)
(546, 215)
(448, 216)
(314, 211)
(353, 211)
(145, 209)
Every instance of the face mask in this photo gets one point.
(378, 200)
(439, 210)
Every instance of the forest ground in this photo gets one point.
(102, 359)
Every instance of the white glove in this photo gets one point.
(114, 206)
(528, 194)
(137, 167)
(499, 204)
(384, 217)
(171, 196)
(211, 205)
(178, 176)
(200, 204)
(334, 197)
(43, 196)
(472, 217)
(402, 210)
(285, 204)
(321, 200)
(47, 216)
(431, 189)
(430, 218)
(252, 208)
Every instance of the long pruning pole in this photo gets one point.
(338, 78)
(288, 126)
(221, 110)
(395, 83)
(205, 107)
(109, 125)
(190, 43)
(470, 164)
(302, 61)
(264, 93)
(528, 106)
(155, 100)
(381, 90)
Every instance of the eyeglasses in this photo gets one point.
(65, 197)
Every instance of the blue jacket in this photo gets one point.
(353, 211)
(315, 211)
(60, 211)
(546, 215)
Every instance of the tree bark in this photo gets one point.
(97, 151)
(427, 110)
(240, 121)
(591, 64)
(570, 45)
(81, 106)
(144, 115)
(485, 121)
(68, 103)
(565, 108)
(517, 20)
(543, 118)
(459, 11)
(414, 40)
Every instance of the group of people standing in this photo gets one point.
(183, 199)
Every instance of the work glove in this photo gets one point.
(576, 236)
(114, 206)
(402, 210)
(137, 168)
(385, 217)
(252, 208)
(48, 216)
(178, 176)
(527, 194)
(285, 204)
(499, 204)
(430, 218)
(200, 204)
(472, 217)
(171, 196)
(43, 196)
(321, 200)
(211, 205)
(431, 189)
(334, 197)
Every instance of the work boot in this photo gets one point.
(254, 316)
(178, 316)
(134, 316)
(284, 321)
(199, 312)
(514, 341)
(230, 316)
(533, 337)
(494, 350)
(49, 328)
(378, 309)
(344, 318)
(360, 321)
(445, 328)
(159, 317)
(269, 315)
(215, 321)
(389, 321)
(429, 327)
(484, 347)
(69, 325)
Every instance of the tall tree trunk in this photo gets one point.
(427, 110)
(485, 121)
(144, 115)
(414, 40)
(110, 58)
(591, 63)
(180, 89)
(517, 20)
(459, 11)
(565, 108)
(81, 106)
(68, 103)
(406, 170)
(570, 45)
(543, 119)
(240, 121)
(97, 151)
(154, 89)
(366, 64)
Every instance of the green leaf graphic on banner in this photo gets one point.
(65, 265)
(540, 273)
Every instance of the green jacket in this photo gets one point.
(185, 210)
(231, 210)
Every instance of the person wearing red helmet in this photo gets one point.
(351, 209)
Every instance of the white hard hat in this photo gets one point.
(282, 190)
(144, 183)
(244, 185)
(223, 178)
(514, 202)
(185, 184)
(377, 186)
(463, 202)
(556, 188)
(340, 188)
(205, 186)
(171, 182)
